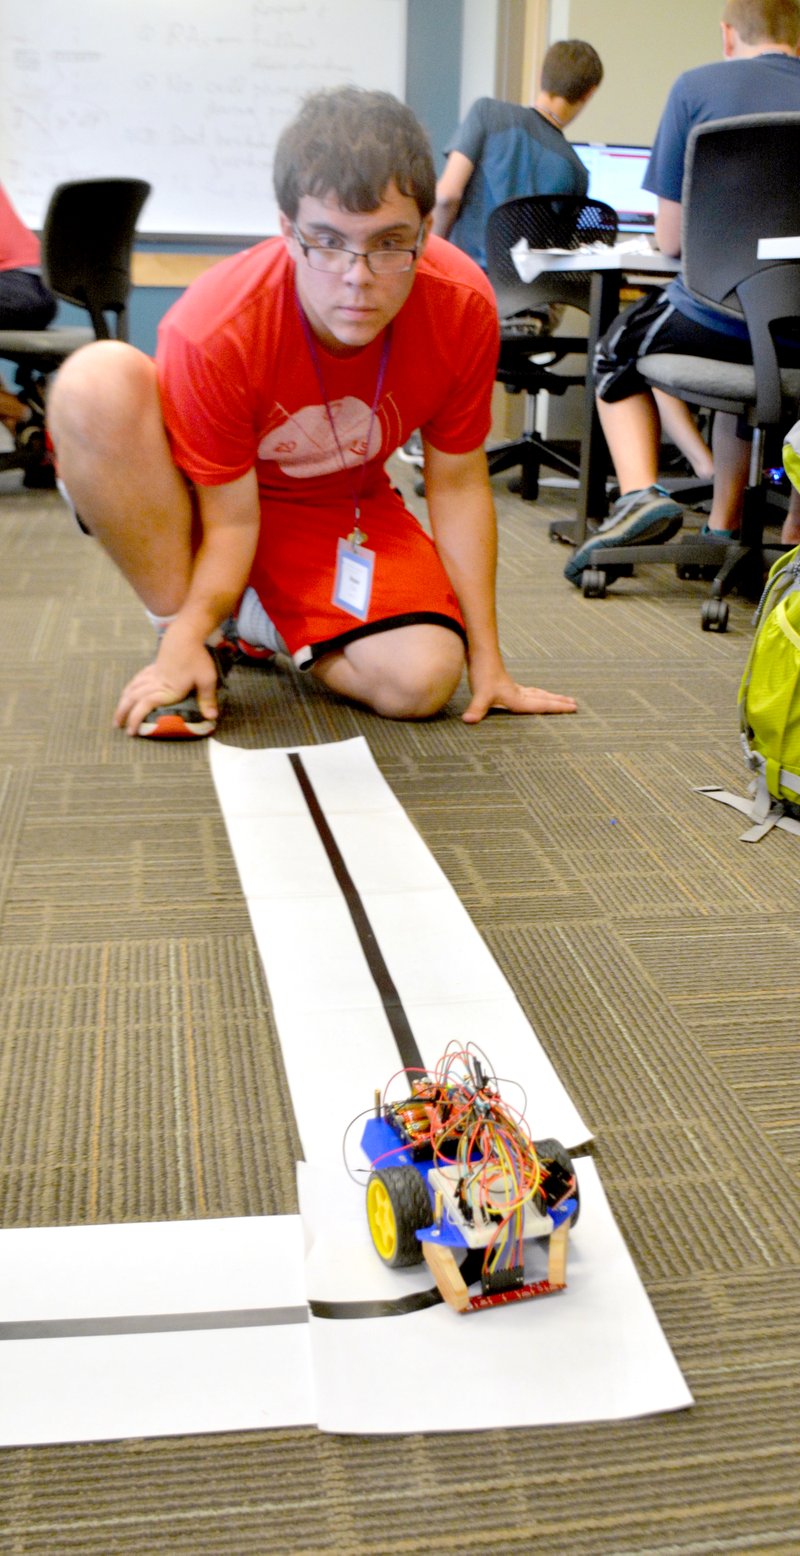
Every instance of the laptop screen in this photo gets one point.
(615, 176)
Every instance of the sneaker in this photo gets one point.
(251, 634)
(720, 537)
(644, 517)
(183, 720)
(253, 653)
(412, 452)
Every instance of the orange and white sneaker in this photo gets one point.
(183, 720)
(177, 721)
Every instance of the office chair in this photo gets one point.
(739, 186)
(529, 352)
(87, 243)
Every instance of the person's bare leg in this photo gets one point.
(731, 467)
(678, 422)
(632, 431)
(104, 417)
(404, 673)
(790, 532)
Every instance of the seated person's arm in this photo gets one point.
(461, 509)
(229, 525)
(668, 227)
(450, 192)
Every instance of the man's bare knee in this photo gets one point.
(100, 394)
(410, 673)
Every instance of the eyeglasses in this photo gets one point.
(337, 261)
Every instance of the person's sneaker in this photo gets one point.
(412, 452)
(251, 633)
(177, 721)
(253, 653)
(644, 517)
(720, 537)
(183, 720)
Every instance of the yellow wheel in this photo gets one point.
(397, 1204)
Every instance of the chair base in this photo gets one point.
(30, 452)
(739, 567)
(530, 452)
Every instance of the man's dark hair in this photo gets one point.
(571, 69)
(353, 143)
(764, 21)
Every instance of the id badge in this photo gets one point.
(352, 589)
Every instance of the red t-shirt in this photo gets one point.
(239, 387)
(19, 248)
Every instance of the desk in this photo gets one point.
(609, 271)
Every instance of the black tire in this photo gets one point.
(408, 1196)
(593, 583)
(714, 615)
(553, 1151)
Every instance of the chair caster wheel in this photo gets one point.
(714, 616)
(593, 583)
(687, 571)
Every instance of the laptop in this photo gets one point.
(615, 176)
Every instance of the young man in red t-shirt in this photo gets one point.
(242, 475)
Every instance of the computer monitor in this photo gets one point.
(615, 176)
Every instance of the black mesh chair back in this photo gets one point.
(528, 347)
(739, 186)
(546, 221)
(87, 243)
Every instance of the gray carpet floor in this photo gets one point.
(657, 957)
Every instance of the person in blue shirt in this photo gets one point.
(760, 73)
(503, 150)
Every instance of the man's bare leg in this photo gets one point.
(105, 420)
(731, 467)
(632, 432)
(404, 673)
(678, 422)
(790, 533)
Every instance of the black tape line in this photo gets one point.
(390, 998)
(151, 1323)
(415, 1302)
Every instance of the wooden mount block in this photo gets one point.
(447, 1275)
(557, 1255)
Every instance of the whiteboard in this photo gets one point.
(188, 94)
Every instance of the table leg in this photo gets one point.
(591, 501)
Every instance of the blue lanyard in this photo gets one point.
(356, 489)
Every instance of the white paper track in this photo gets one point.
(336, 1038)
(189, 1327)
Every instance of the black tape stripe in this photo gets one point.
(415, 1302)
(390, 998)
(151, 1323)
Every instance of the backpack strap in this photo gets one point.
(760, 828)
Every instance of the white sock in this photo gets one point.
(254, 625)
(159, 623)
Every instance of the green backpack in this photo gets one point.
(769, 700)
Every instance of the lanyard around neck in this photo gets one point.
(357, 486)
